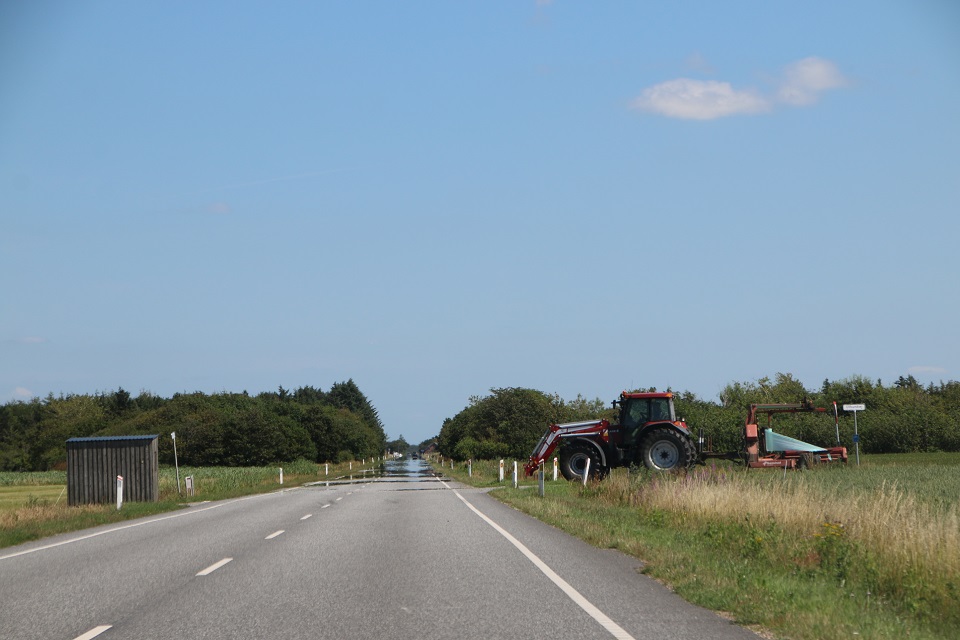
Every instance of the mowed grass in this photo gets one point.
(34, 505)
(870, 551)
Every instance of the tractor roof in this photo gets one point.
(655, 394)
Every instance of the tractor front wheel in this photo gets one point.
(573, 462)
(667, 450)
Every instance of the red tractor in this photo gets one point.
(647, 432)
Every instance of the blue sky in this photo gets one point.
(438, 198)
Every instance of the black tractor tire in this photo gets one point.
(667, 450)
(573, 461)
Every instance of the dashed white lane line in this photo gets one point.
(325, 506)
(274, 534)
(615, 630)
(339, 499)
(214, 567)
(93, 633)
(307, 517)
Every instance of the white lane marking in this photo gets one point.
(179, 514)
(274, 535)
(615, 630)
(339, 499)
(308, 515)
(325, 506)
(93, 633)
(214, 567)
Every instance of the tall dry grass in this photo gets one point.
(907, 547)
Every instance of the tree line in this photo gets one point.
(230, 429)
(901, 417)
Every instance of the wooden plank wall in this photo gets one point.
(93, 467)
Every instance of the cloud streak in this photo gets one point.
(801, 84)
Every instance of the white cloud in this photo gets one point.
(22, 392)
(32, 340)
(805, 80)
(926, 369)
(699, 100)
(800, 84)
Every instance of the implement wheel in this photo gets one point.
(666, 450)
(573, 462)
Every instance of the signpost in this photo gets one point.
(176, 464)
(856, 435)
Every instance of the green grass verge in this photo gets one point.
(33, 507)
(865, 551)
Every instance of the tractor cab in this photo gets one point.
(640, 409)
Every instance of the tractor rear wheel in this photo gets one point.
(666, 450)
(573, 462)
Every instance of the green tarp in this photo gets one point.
(777, 442)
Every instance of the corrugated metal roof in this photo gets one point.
(112, 438)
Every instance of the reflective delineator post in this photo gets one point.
(501, 471)
(586, 472)
(556, 463)
(281, 475)
(470, 467)
(515, 474)
(542, 476)
(119, 492)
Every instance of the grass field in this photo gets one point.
(34, 505)
(870, 551)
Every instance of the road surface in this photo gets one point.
(401, 556)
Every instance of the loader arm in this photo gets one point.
(551, 439)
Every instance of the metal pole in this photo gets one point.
(856, 437)
(836, 421)
(176, 464)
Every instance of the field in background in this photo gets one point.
(869, 551)
(34, 505)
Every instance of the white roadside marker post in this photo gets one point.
(556, 463)
(281, 475)
(514, 474)
(586, 472)
(501, 471)
(119, 492)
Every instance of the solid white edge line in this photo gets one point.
(214, 567)
(93, 633)
(178, 514)
(615, 630)
(274, 534)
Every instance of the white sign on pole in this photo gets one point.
(856, 434)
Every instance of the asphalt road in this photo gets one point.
(393, 557)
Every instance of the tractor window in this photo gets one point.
(660, 409)
(637, 413)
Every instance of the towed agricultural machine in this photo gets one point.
(648, 433)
